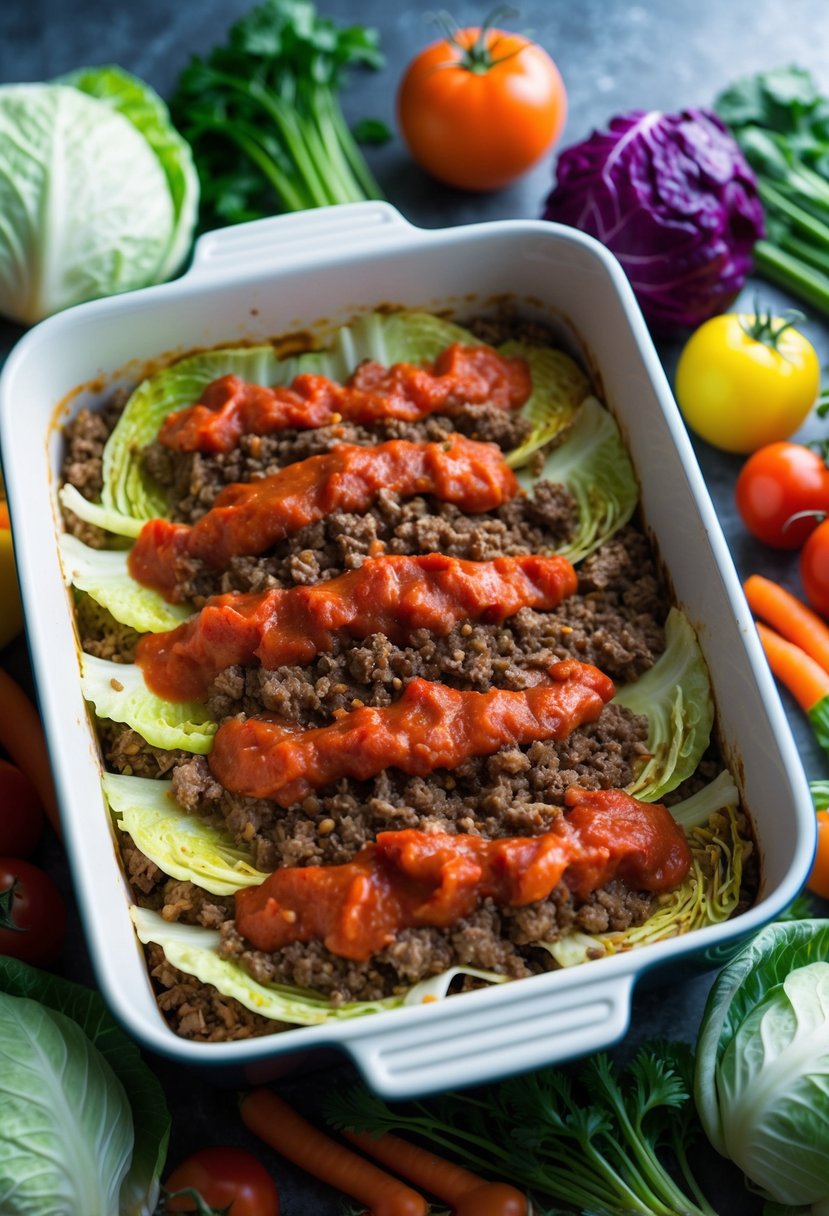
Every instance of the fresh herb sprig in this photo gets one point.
(263, 116)
(602, 1141)
(781, 122)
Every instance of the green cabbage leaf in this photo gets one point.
(762, 1070)
(708, 895)
(592, 463)
(103, 574)
(182, 845)
(194, 951)
(675, 696)
(118, 693)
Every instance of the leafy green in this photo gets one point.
(148, 114)
(762, 1073)
(559, 388)
(593, 464)
(85, 209)
(180, 844)
(675, 696)
(118, 692)
(195, 951)
(601, 1142)
(781, 121)
(85, 1126)
(263, 116)
(103, 574)
(708, 895)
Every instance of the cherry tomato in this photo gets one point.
(480, 107)
(777, 482)
(224, 1176)
(745, 381)
(21, 815)
(814, 568)
(818, 881)
(32, 913)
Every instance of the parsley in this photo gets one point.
(263, 117)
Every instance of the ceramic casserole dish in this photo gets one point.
(311, 272)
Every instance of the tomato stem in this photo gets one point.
(6, 905)
(767, 328)
(478, 57)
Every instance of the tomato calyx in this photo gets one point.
(477, 57)
(768, 328)
(7, 920)
(202, 1208)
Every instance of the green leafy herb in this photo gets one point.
(263, 116)
(602, 1141)
(781, 122)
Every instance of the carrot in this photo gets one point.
(449, 1182)
(21, 735)
(285, 1130)
(805, 679)
(789, 616)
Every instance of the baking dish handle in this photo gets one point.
(282, 240)
(520, 1028)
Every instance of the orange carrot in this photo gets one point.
(805, 679)
(449, 1182)
(21, 735)
(285, 1130)
(789, 616)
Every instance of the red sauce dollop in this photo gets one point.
(231, 407)
(410, 879)
(393, 595)
(430, 726)
(247, 518)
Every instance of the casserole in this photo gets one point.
(313, 271)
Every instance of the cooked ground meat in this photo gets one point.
(615, 621)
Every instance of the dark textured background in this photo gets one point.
(614, 56)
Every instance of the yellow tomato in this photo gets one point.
(11, 612)
(745, 381)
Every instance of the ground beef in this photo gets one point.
(615, 621)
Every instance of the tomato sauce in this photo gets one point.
(247, 518)
(410, 879)
(393, 595)
(231, 407)
(431, 726)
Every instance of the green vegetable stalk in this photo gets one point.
(603, 1142)
(263, 116)
(781, 122)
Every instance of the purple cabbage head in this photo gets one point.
(673, 197)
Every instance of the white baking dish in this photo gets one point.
(317, 269)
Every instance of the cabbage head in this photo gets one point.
(90, 205)
(673, 197)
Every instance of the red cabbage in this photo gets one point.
(674, 198)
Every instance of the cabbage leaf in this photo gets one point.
(118, 692)
(180, 844)
(708, 895)
(85, 210)
(592, 463)
(675, 696)
(98, 515)
(762, 1071)
(66, 1136)
(413, 337)
(103, 574)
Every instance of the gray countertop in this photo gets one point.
(614, 56)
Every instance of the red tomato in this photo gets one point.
(818, 881)
(32, 913)
(224, 1176)
(480, 107)
(814, 568)
(780, 481)
(21, 815)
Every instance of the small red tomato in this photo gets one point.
(224, 1176)
(818, 881)
(814, 568)
(21, 815)
(32, 913)
(782, 493)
